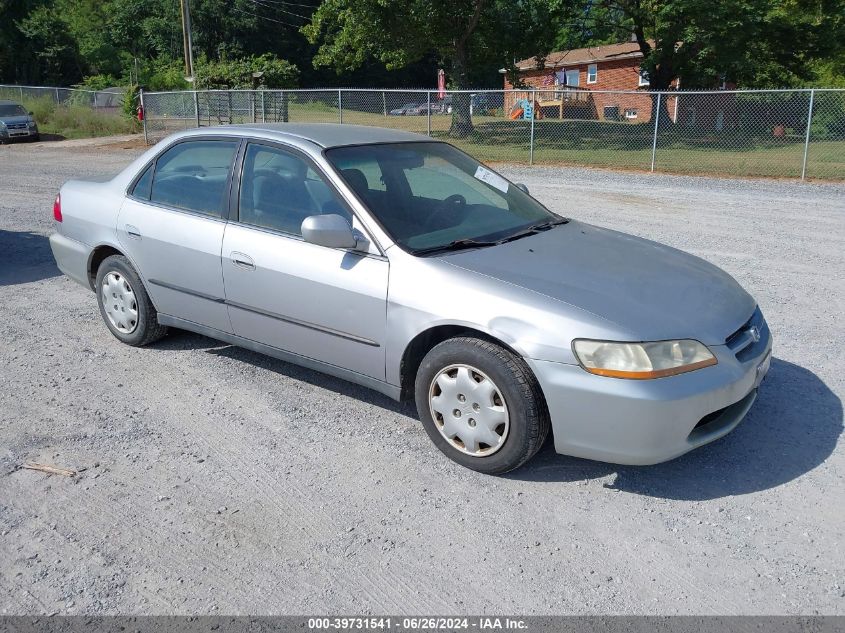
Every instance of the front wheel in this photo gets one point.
(480, 405)
(124, 303)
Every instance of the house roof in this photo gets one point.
(589, 55)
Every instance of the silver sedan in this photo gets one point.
(402, 264)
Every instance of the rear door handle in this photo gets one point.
(133, 231)
(242, 260)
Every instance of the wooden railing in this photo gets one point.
(567, 94)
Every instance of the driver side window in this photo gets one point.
(279, 190)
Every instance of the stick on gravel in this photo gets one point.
(52, 470)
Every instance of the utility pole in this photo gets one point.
(187, 43)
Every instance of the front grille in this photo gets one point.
(742, 342)
(16, 126)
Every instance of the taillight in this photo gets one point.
(57, 208)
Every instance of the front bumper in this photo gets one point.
(10, 134)
(644, 422)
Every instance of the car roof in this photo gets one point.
(2, 102)
(323, 134)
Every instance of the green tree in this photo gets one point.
(55, 53)
(467, 36)
(17, 54)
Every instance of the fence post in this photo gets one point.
(196, 108)
(144, 112)
(807, 135)
(533, 116)
(263, 108)
(656, 122)
(57, 96)
(383, 103)
(428, 99)
(340, 104)
(21, 89)
(252, 104)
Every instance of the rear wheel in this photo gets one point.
(124, 304)
(480, 405)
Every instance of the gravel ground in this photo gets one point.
(219, 481)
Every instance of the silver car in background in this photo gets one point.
(402, 264)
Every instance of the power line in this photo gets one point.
(292, 4)
(266, 6)
(264, 17)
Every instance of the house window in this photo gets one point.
(592, 73)
(630, 113)
(572, 77)
(643, 79)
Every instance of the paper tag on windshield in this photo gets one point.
(494, 180)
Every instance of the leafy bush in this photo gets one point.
(240, 73)
(130, 102)
(98, 82)
(163, 74)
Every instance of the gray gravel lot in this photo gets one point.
(219, 481)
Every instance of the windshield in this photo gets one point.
(13, 109)
(430, 196)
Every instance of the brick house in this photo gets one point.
(570, 84)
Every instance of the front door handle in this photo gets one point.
(242, 260)
(133, 231)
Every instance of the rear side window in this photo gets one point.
(144, 184)
(193, 175)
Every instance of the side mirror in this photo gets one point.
(519, 185)
(31, 113)
(332, 231)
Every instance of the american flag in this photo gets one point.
(549, 80)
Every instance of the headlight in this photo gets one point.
(31, 124)
(640, 361)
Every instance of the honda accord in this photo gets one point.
(401, 263)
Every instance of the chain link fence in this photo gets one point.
(110, 98)
(776, 133)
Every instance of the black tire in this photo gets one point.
(147, 328)
(528, 417)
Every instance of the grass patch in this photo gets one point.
(731, 152)
(77, 121)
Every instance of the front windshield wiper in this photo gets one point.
(534, 228)
(455, 246)
(471, 243)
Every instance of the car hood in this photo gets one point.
(652, 291)
(10, 120)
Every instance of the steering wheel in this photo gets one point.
(449, 205)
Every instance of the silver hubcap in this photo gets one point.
(469, 410)
(119, 302)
